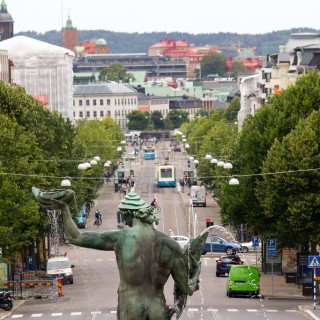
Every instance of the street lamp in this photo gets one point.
(228, 165)
(220, 164)
(233, 182)
(66, 182)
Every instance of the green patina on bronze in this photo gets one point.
(145, 257)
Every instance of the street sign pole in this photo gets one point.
(314, 289)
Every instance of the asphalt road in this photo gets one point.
(94, 292)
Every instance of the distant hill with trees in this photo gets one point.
(122, 42)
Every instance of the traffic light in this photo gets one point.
(209, 223)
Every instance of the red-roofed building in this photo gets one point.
(181, 50)
(250, 64)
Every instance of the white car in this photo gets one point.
(182, 240)
(247, 246)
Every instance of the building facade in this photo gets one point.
(98, 101)
(4, 66)
(6, 22)
(44, 70)
(69, 36)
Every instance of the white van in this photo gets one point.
(60, 267)
(198, 195)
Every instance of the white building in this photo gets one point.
(44, 70)
(96, 101)
(4, 66)
(298, 56)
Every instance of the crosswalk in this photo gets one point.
(111, 314)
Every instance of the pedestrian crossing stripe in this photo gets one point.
(314, 261)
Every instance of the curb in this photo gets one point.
(16, 305)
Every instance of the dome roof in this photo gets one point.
(101, 42)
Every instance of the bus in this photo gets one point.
(149, 153)
(166, 175)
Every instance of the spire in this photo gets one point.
(69, 23)
(3, 6)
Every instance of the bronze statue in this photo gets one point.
(145, 257)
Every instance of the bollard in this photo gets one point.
(59, 284)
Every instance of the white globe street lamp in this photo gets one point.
(220, 164)
(93, 162)
(233, 182)
(228, 165)
(65, 182)
(82, 166)
(214, 160)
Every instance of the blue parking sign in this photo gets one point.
(272, 243)
(255, 241)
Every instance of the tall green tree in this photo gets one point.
(138, 120)
(213, 63)
(291, 201)
(116, 72)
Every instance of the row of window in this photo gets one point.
(102, 113)
(132, 101)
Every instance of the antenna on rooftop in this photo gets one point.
(62, 14)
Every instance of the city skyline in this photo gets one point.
(204, 16)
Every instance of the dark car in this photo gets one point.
(225, 262)
(177, 149)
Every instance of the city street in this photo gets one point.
(94, 292)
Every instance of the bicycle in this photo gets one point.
(97, 222)
(157, 208)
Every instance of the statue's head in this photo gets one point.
(132, 206)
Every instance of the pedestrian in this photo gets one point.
(124, 188)
(97, 217)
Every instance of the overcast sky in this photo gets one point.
(192, 16)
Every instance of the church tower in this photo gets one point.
(69, 36)
(6, 22)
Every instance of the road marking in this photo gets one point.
(252, 310)
(271, 310)
(232, 310)
(291, 311)
(193, 309)
(76, 313)
(56, 314)
(95, 312)
(36, 315)
(212, 310)
(17, 316)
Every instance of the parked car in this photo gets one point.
(182, 240)
(243, 280)
(177, 149)
(219, 244)
(225, 262)
(247, 246)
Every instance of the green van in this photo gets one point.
(243, 280)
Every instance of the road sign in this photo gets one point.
(272, 243)
(272, 252)
(255, 241)
(314, 262)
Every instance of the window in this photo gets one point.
(95, 114)
(87, 102)
(101, 102)
(108, 102)
(115, 102)
(88, 114)
(80, 114)
(109, 113)
(101, 114)
(80, 102)
(74, 103)
(94, 102)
